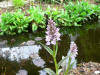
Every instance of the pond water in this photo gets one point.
(18, 58)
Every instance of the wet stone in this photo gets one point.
(28, 43)
(22, 72)
(38, 38)
(5, 4)
(39, 62)
(3, 43)
(31, 42)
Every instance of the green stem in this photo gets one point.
(55, 61)
(56, 48)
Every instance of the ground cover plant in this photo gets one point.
(56, 1)
(75, 14)
(14, 23)
(72, 14)
(36, 17)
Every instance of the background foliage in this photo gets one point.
(14, 22)
(72, 14)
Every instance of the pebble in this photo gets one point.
(97, 72)
(28, 43)
(38, 38)
(90, 68)
(22, 72)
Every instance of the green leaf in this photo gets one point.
(47, 49)
(19, 31)
(71, 66)
(49, 71)
(56, 48)
(34, 27)
(99, 17)
(59, 64)
(68, 67)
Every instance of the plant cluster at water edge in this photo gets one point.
(14, 22)
(73, 14)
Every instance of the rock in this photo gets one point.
(31, 42)
(20, 53)
(34, 56)
(38, 38)
(5, 4)
(28, 43)
(42, 72)
(3, 43)
(97, 72)
(22, 72)
(39, 62)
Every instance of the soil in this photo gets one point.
(90, 68)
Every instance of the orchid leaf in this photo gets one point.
(59, 64)
(49, 71)
(47, 49)
(59, 71)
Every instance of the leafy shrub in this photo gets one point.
(53, 13)
(14, 22)
(37, 17)
(18, 3)
(79, 12)
(98, 1)
(74, 14)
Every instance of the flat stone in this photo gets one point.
(5, 4)
(97, 72)
(20, 53)
(28, 43)
(22, 72)
(39, 62)
(38, 38)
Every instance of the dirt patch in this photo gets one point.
(90, 68)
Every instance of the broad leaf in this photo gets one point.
(56, 48)
(49, 71)
(59, 71)
(34, 27)
(47, 49)
(59, 64)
